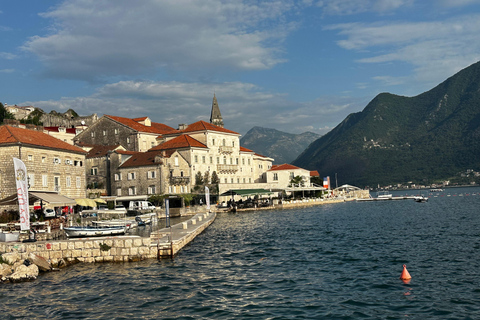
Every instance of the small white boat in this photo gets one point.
(130, 224)
(420, 199)
(75, 232)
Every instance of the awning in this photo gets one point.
(52, 198)
(245, 192)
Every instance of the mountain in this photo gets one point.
(281, 146)
(396, 139)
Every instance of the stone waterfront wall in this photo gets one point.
(114, 249)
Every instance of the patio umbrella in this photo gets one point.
(86, 202)
(98, 200)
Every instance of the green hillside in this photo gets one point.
(395, 139)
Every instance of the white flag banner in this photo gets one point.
(207, 198)
(22, 193)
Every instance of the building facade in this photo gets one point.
(52, 165)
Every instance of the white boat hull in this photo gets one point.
(75, 232)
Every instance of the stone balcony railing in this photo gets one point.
(225, 149)
(230, 168)
(179, 180)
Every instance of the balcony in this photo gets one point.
(179, 180)
(225, 149)
(227, 168)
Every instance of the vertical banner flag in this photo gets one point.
(167, 213)
(207, 197)
(22, 193)
(326, 183)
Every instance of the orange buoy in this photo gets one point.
(405, 275)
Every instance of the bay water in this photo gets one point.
(335, 261)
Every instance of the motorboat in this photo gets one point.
(91, 231)
(130, 224)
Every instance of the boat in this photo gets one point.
(130, 224)
(437, 190)
(90, 231)
(420, 199)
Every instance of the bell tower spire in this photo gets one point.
(216, 116)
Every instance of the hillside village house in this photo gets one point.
(53, 166)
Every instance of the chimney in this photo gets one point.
(182, 126)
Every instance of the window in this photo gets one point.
(249, 180)
(151, 174)
(131, 176)
(31, 179)
(118, 176)
(224, 160)
(243, 180)
(30, 157)
(174, 189)
(94, 171)
(92, 134)
(152, 189)
(119, 191)
(176, 161)
(181, 173)
(169, 189)
(213, 141)
(196, 159)
(43, 159)
(233, 143)
(218, 160)
(226, 181)
(116, 130)
(79, 182)
(128, 139)
(224, 142)
(56, 160)
(236, 161)
(248, 161)
(238, 180)
(186, 189)
(211, 160)
(104, 132)
(181, 189)
(275, 176)
(231, 180)
(292, 175)
(132, 191)
(44, 180)
(203, 159)
(243, 161)
(231, 161)
(68, 181)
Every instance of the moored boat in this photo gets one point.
(89, 231)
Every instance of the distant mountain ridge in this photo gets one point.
(283, 147)
(396, 139)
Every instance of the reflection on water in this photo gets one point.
(340, 261)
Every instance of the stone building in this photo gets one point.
(52, 165)
(138, 134)
(152, 172)
(19, 112)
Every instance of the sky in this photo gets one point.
(294, 66)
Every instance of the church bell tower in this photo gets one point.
(216, 116)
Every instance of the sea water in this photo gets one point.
(337, 261)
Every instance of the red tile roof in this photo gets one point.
(203, 126)
(314, 173)
(284, 166)
(158, 128)
(183, 141)
(242, 149)
(100, 151)
(140, 159)
(14, 135)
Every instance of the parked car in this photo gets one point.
(120, 207)
(49, 213)
(141, 205)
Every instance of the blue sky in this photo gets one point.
(294, 66)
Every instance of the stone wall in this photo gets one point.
(112, 249)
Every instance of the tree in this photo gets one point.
(297, 181)
(4, 114)
(198, 179)
(206, 177)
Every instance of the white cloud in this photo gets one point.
(349, 7)
(435, 49)
(92, 39)
(243, 105)
(7, 56)
(457, 3)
